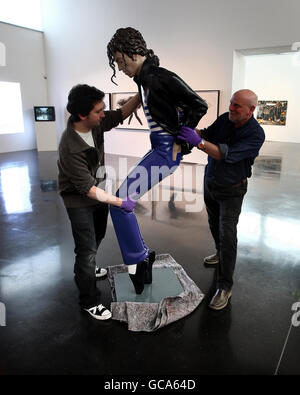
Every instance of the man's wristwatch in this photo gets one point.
(202, 144)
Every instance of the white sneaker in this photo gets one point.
(100, 272)
(99, 312)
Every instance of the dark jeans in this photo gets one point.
(88, 228)
(223, 205)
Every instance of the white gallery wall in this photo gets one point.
(196, 39)
(25, 63)
(277, 78)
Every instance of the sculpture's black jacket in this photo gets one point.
(165, 93)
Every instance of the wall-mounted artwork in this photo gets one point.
(107, 100)
(212, 98)
(136, 120)
(272, 112)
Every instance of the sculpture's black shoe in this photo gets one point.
(148, 273)
(139, 277)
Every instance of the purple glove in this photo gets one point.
(128, 204)
(190, 136)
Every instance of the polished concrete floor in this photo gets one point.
(256, 334)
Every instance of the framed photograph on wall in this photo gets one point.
(212, 98)
(107, 101)
(137, 120)
(271, 112)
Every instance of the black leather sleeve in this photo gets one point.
(167, 93)
(193, 106)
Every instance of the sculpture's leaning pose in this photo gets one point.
(169, 103)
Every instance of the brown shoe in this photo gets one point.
(220, 300)
(211, 259)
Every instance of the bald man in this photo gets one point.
(232, 143)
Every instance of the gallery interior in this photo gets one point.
(217, 48)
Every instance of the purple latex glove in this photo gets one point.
(128, 204)
(190, 136)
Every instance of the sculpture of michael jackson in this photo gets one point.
(169, 104)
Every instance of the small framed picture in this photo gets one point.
(272, 112)
(137, 119)
(212, 98)
(107, 101)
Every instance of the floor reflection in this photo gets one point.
(276, 234)
(267, 164)
(16, 188)
(249, 227)
(282, 233)
(37, 287)
(48, 171)
(31, 274)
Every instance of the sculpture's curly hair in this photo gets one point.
(128, 41)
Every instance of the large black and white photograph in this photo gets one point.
(137, 119)
(107, 100)
(212, 98)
